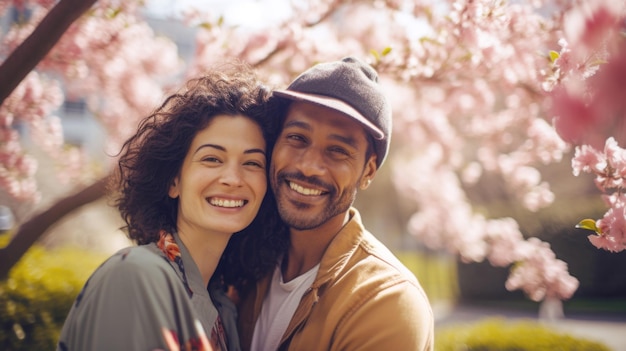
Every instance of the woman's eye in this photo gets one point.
(255, 164)
(210, 159)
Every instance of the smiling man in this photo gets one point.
(337, 287)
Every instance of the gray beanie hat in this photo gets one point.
(351, 87)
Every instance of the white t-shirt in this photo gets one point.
(278, 308)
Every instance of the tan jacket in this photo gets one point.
(363, 298)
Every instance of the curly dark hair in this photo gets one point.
(151, 159)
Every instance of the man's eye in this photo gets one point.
(339, 151)
(296, 137)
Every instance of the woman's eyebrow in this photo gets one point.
(254, 151)
(221, 148)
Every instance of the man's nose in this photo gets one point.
(311, 162)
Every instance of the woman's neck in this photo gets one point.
(206, 249)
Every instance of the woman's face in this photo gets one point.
(223, 179)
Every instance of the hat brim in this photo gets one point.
(334, 104)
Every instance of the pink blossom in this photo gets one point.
(615, 156)
(538, 197)
(589, 160)
(612, 227)
(590, 23)
(608, 87)
(467, 92)
(503, 235)
(544, 142)
(539, 274)
(26, 166)
(565, 61)
(573, 117)
(606, 242)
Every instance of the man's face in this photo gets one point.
(317, 165)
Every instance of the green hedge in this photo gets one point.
(436, 273)
(495, 334)
(38, 294)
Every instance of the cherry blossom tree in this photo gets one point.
(110, 57)
(475, 84)
(588, 85)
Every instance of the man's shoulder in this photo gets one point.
(369, 252)
(378, 256)
(374, 282)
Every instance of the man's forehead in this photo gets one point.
(314, 114)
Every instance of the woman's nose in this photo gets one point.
(232, 175)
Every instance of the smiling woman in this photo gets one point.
(193, 175)
(221, 183)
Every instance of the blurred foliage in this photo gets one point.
(494, 334)
(599, 272)
(436, 273)
(38, 294)
(35, 299)
(575, 198)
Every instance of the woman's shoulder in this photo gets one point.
(136, 262)
(138, 255)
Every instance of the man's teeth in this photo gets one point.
(226, 203)
(304, 191)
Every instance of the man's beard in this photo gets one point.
(292, 213)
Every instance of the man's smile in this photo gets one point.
(305, 191)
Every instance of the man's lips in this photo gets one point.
(306, 191)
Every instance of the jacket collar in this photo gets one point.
(340, 249)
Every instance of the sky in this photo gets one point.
(251, 13)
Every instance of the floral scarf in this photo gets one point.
(218, 338)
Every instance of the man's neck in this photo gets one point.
(308, 246)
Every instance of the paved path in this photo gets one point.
(610, 330)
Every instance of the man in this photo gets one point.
(337, 287)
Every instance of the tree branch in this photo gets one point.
(30, 52)
(34, 228)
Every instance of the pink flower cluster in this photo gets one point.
(111, 58)
(476, 82)
(590, 110)
(29, 108)
(539, 273)
(465, 78)
(589, 73)
(609, 168)
(452, 225)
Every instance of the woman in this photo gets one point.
(193, 174)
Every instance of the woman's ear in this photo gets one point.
(174, 190)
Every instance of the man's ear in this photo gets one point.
(174, 190)
(369, 172)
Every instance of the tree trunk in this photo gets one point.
(13, 70)
(29, 232)
(26, 56)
